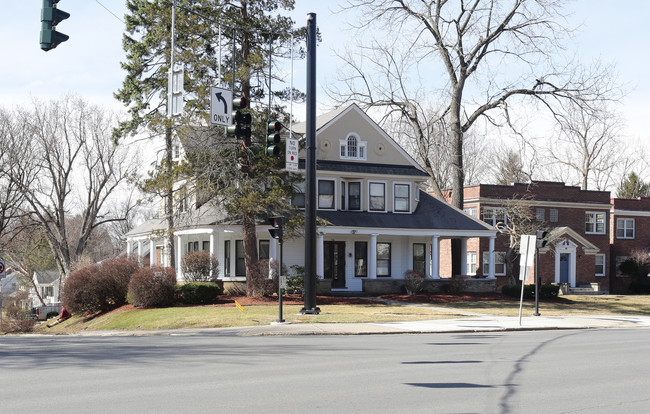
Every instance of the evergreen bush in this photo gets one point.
(198, 293)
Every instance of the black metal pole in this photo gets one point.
(310, 173)
(536, 282)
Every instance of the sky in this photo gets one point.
(88, 64)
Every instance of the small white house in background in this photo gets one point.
(47, 283)
(379, 221)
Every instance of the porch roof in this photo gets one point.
(431, 213)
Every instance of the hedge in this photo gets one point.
(546, 291)
(198, 293)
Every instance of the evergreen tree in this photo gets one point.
(633, 187)
(248, 32)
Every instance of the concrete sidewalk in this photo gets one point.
(482, 323)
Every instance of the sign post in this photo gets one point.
(526, 256)
(220, 106)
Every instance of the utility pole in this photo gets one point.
(310, 173)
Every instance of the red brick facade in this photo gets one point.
(578, 221)
(629, 231)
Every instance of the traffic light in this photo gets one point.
(276, 231)
(273, 140)
(242, 120)
(541, 238)
(50, 17)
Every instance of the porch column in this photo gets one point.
(213, 245)
(140, 252)
(273, 249)
(152, 253)
(128, 248)
(463, 256)
(320, 261)
(179, 257)
(372, 257)
(435, 257)
(492, 264)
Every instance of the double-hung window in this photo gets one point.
(419, 257)
(471, 263)
(240, 259)
(360, 259)
(595, 223)
(624, 228)
(401, 198)
(499, 263)
(493, 215)
(600, 265)
(377, 196)
(351, 195)
(326, 194)
(383, 259)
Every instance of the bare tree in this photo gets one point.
(66, 164)
(455, 52)
(586, 146)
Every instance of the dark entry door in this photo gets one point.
(334, 266)
(564, 267)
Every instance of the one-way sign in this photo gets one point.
(220, 106)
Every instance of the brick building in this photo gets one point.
(579, 233)
(629, 231)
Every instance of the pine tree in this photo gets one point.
(247, 31)
(633, 187)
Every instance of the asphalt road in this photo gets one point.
(559, 371)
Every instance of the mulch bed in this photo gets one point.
(227, 300)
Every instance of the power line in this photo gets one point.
(108, 10)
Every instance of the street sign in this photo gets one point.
(220, 106)
(291, 162)
(526, 255)
(2, 269)
(283, 282)
(175, 91)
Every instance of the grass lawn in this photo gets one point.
(564, 305)
(129, 318)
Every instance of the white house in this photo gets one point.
(379, 221)
(47, 283)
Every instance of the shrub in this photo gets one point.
(636, 265)
(152, 287)
(546, 291)
(413, 282)
(200, 266)
(198, 293)
(639, 287)
(15, 319)
(296, 282)
(99, 287)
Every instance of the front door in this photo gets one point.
(334, 263)
(564, 267)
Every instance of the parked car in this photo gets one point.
(44, 313)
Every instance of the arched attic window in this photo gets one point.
(353, 148)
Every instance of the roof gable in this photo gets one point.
(334, 127)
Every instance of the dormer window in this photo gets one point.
(352, 148)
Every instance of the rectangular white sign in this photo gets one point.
(220, 106)
(291, 155)
(526, 255)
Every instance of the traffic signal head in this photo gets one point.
(50, 17)
(242, 120)
(541, 241)
(276, 231)
(273, 139)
